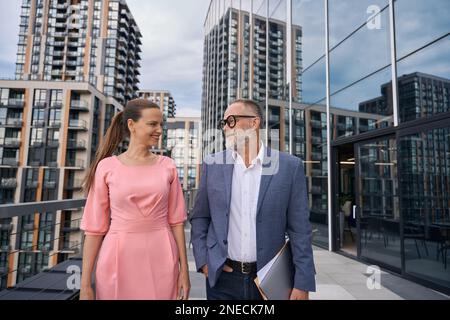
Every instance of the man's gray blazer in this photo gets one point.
(282, 209)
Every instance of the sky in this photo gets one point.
(173, 45)
(172, 56)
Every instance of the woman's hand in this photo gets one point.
(184, 285)
(87, 293)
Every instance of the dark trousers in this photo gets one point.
(233, 286)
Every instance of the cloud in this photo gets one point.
(172, 47)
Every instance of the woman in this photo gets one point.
(134, 215)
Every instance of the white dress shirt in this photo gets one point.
(244, 201)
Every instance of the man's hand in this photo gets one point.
(205, 270)
(297, 294)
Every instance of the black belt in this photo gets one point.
(242, 267)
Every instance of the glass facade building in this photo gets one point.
(360, 90)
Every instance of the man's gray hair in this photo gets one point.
(254, 107)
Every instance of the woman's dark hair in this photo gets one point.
(115, 134)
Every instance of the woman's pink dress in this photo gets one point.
(135, 207)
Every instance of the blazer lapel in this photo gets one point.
(270, 168)
(228, 168)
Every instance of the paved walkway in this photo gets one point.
(340, 278)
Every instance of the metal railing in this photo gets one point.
(10, 211)
(43, 279)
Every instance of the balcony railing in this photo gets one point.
(12, 122)
(8, 183)
(79, 105)
(72, 226)
(74, 184)
(50, 184)
(76, 144)
(11, 142)
(54, 124)
(53, 143)
(49, 284)
(16, 103)
(77, 163)
(77, 124)
(10, 162)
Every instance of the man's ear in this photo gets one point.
(257, 123)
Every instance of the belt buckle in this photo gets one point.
(243, 268)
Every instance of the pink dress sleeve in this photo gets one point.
(177, 208)
(96, 215)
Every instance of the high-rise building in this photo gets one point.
(246, 56)
(49, 133)
(77, 64)
(367, 109)
(183, 144)
(80, 40)
(431, 91)
(168, 107)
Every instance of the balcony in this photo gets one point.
(74, 54)
(60, 15)
(75, 124)
(79, 105)
(57, 54)
(49, 184)
(59, 34)
(56, 73)
(76, 144)
(71, 226)
(56, 105)
(31, 184)
(75, 163)
(38, 123)
(62, 6)
(316, 140)
(11, 142)
(28, 226)
(74, 184)
(54, 124)
(6, 227)
(5, 248)
(36, 144)
(317, 190)
(53, 143)
(316, 156)
(8, 183)
(12, 123)
(40, 104)
(13, 162)
(57, 63)
(316, 124)
(16, 103)
(71, 247)
(72, 63)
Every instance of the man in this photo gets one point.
(249, 198)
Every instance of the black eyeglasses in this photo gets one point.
(232, 120)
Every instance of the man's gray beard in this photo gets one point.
(236, 142)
